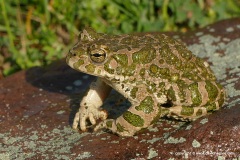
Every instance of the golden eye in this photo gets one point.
(98, 56)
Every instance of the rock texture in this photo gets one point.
(38, 106)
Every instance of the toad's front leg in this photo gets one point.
(90, 105)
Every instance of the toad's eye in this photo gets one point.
(98, 56)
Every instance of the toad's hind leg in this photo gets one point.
(191, 113)
(136, 118)
(184, 113)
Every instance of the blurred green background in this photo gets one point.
(37, 32)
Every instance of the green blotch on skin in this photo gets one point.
(165, 111)
(221, 99)
(92, 33)
(154, 69)
(169, 40)
(146, 105)
(120, 128)
(90, 68)
(118, 47)
(99, 71)
(151, 87)
(107, 68)
(206, 71)
(167, 54)
(190, 66)
(122, 59)
(119, 70)
(127, 40)
(164, 73)
(171, 59)
(161, 85)
(171, 94)
(129, 70)
(179, 65)
(78, 64)
(199, 112)
(161, 61)
(190, 76)
(133, 119)
(212, 91)
(144, 56)
(134, 92)
(142, 72)
(174, 77)
(195, 94)
(188, 111)
(182, 93)
(211, 107)
(109, 124)
(184, 52)
(164, 51)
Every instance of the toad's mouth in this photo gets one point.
(71, 61)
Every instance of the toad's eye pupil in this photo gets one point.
(97, 55)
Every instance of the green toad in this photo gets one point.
(157, 74)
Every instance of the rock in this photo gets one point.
(38, 106)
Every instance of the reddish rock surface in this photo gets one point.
(38, 106)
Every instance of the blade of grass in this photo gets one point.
(126, 12)
(7, 25)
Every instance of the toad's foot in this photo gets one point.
(83, 114)
(114, 127)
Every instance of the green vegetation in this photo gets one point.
(35, 33)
